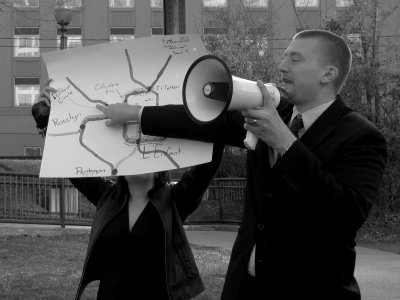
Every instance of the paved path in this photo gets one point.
(377, 272)
(212, 238)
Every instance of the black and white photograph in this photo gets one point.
(200, 149)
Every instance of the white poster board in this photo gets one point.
(144, 71)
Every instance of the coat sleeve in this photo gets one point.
(339, 196)
(188, 192)
(172, 121)
(93, 188)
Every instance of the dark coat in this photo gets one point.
(304, 212)
(174, 202)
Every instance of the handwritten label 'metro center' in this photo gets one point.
(105, 85)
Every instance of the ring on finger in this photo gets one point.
(254, 122)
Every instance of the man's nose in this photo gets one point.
(282, 67)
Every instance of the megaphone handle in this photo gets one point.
(250, 141)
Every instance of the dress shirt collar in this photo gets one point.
(311, 115)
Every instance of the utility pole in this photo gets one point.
(174, 16)
(63, 14)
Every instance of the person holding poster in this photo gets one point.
(309, 189)
(138, 248)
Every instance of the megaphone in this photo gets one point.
(209, 90)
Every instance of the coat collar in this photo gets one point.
(324, 125)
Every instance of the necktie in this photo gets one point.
(296, 125)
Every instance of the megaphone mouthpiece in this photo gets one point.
(208, 89)
(216, 90)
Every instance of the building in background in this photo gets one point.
(28, 28)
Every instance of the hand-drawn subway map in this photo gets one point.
(144, 71)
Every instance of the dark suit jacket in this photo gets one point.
(304, 212)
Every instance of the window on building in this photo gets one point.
(344, 3)
(121, 3)
(157, 3)
(26, 91)
(76, 3)
(25, 3)
(255, 3)
(157, 31)
(26, 42)
(72, 3)
(74, 38)
(215, 3)
(122, 33)
(307, 3)
(32, 151)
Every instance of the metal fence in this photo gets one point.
(26, 198)
(222, 202)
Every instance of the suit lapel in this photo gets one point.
(323, 126)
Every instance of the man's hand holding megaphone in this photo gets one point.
(266, 124)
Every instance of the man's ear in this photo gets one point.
(330, 74)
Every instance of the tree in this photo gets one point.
(373, 86)
(362, 25)
(244, 45)
(3, 5)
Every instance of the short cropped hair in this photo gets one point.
(337, 52)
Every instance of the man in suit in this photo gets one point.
(308, 190)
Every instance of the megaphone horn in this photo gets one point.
(209, 90)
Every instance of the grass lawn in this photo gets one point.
(49, 267)
(386, 238)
